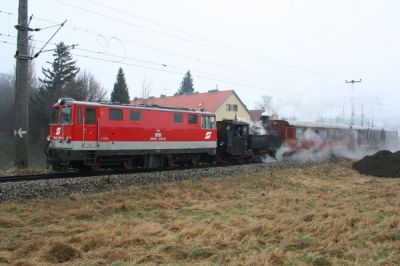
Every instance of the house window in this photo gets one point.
(178, 118)
(136, 116)
(228, 107)
(115, 114)
(235, 107)
(192, 119)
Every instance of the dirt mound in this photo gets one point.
(382, 164)
(61, 252)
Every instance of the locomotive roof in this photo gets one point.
(140, 106)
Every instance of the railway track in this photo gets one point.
(60, 175)
(56, 185)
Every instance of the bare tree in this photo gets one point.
(85, 88)
(145, 93)
(6, 102)
(266, 104)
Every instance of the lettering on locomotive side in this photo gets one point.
(208, 135)
(58, 131)
(158, 136)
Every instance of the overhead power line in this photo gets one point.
(200, 75)
(204, 77)
(232, 52)
(52, 36)
(185, 56)
(242, 52)
(120, 59)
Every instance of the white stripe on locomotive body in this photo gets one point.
(134, 145)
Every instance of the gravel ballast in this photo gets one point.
(63, 187)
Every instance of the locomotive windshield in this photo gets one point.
(207, 122)
(54, 115)
(66, 115)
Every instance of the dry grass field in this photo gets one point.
(320, 215)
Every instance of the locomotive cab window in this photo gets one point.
(135, 116)
(211, 123)
(192, 119)
(90, 116)
(178, 118)
(240, 131)
(115, 114)
(66, 115)
(207, 122)
(54, 115)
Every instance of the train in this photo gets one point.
(95, 136)
(335, 138)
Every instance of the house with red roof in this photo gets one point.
(225, 104)
(255, 115)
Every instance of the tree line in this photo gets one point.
(63, 78)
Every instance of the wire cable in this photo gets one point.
(242, 52)
(256, 58)
(204, 77)
(130, 42)
(52, 36)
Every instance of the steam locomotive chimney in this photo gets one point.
(265, 117)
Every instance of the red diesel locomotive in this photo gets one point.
(98, 135)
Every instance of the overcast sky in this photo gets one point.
(299, 52)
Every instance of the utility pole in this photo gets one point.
(352, 99)
(21, 88)
(362, 115)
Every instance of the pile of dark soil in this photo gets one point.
(382, 164)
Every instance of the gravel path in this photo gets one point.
(63, 187)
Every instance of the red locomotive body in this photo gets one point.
(96, 134)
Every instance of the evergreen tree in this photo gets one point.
(186, 85)
(57, 82)
(120, 91)
(62, 72)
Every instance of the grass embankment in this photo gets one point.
(320, 215)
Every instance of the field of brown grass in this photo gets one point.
(320, 215)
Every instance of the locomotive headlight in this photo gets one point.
(48, 138)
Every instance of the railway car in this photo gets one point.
(99, 135)
(300, 136)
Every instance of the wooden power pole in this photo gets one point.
(22, 88)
